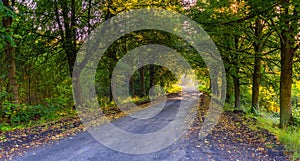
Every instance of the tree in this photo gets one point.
(284, 18)
(10, 51)
(257, 64)
(288, 30)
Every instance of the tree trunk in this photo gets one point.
(77, 86)
(10, 59)
(29, 91)
(286, 85)
(214, 85)
(67, 30)
(257, 65)
(110, 93)
(228, 87)
(237, 102)
(152, 72)
(236, 79)
(256, 83)
(69, 44)
(132, 87)
(288, 48)
(228, 94)
(142, 75)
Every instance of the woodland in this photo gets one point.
(258, 40)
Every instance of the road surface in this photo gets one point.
(220, 145)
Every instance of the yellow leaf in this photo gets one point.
(112, 11)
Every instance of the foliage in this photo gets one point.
(46, 35)
(173, 89)
(27, 115)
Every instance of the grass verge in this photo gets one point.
(289, 137)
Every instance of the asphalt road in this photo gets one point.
(84, 147)
(229, 140)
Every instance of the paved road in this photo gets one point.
(229, 140)
(83, 146)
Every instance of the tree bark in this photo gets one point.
(152, 72)
(286, 85)
(69, 44)
(257, 65)
(256, 83)
(237, 102)
(67, 29)
(132, 86)
(142, 75)
(214, 85)
(236, 79)
(77, 86)
(228, 86)
(10, 58)
(288, 48)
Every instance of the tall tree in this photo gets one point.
(65, 18)
(10, 52)
(258, 47)
(288, 30)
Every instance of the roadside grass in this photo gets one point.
(289, 137)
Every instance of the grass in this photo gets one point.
(289, 137)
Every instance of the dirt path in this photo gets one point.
(231, 139)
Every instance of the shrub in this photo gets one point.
(26, 114)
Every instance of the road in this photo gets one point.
(84, 147)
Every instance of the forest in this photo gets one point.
(258, 41)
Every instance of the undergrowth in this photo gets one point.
(13, 116)
(20, 116)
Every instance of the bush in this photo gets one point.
(58, 102)
(296, 117)
(7, 109)
(4, 96)
(276, 114)
(26, 114)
